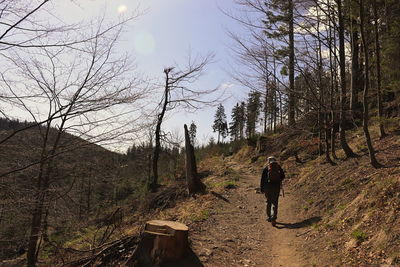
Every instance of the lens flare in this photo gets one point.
(122, 9)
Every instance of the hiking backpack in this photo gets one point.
(274, 175)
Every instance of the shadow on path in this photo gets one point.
(220, 196)
(297, 225)
(191, 260)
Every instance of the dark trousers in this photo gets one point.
(272, 195)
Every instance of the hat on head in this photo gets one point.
(271, 159)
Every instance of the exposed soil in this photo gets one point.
(237, 233)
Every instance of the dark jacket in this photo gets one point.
(264, 183)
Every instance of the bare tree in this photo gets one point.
(342, 120)
(176, 93)
(378, 69)
(371, 150)
(69, 89)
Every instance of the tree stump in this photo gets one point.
(170, 240)
(193, 181)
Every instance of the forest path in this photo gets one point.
(237, 233)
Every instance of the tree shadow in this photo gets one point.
(203, 174)
(297, 225)
(191, 260)
(219, 196)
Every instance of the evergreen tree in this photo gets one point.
(252, 112)
(234, 125)
(220, 125)
(279, 25)
(242, 119)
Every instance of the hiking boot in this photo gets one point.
(273, 222)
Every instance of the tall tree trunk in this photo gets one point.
(42, 187)
(378, 71)
(319, 67)
(342, 120)
(266, 84)
(275, 90)
(334, 83)
(371, 150)
(323, 118)
(157, 146)
(355, 68)
(39, 199)
(292, 102)
(281, 107)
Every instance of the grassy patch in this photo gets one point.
(359, 235)
(362, 148)
(330, 225)
(315, 226)
(230, 184)
(200, 216)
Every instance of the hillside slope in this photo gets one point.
(359, 206)
(341, 215)
(82, 175)
(332, 215)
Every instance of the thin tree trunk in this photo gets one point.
(355, 68)
(89, 194)
(319, 67)
(371, 150)
(378, 71)
(266, 77)
(275, 90)
(342, 120)
(45, 170)
(332, 64)
(41, 191)
(157, 147)
(292, 102)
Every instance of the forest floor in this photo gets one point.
(238, 234)
(332, 215)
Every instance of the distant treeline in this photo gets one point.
(11, 124)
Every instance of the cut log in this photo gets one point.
(170, 240)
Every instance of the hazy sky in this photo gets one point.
(164, 35)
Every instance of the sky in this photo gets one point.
(164, 35)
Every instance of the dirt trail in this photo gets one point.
(237, 233)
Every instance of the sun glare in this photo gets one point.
(122, 9)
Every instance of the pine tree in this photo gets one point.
(252, 112)
(242, 119)
(279, 25)
(220, 125)
(234, 125)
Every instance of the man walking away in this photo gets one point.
(270, 185)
